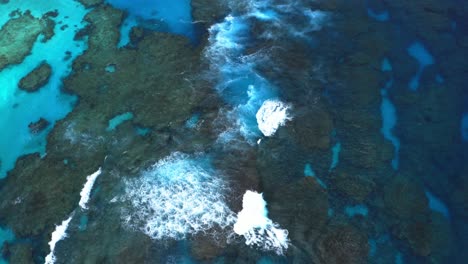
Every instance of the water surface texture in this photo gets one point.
(233, 131)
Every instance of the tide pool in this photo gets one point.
(19, 108)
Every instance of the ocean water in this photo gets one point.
(247, 131)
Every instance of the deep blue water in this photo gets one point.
(301, 132)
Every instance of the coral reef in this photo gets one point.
(15, 47)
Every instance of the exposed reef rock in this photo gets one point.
(15, 47)
(36, 78)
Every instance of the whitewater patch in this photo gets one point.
(233, 60)
(258, 230)
(60, 233)
(271, 115)
(180, 195)
(88, 186)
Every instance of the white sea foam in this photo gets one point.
(88, 186)
(180, 195)
(57, 235)
(271, 115)
(258, 230)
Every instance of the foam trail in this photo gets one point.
(57, 235)
(88, 186)
(258, 230)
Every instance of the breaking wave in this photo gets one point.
(235, 52)
(180, 195)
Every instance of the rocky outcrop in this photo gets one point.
(36, 78)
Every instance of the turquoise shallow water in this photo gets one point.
(238, 132)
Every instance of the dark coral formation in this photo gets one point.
(38, 126)
(36, 78)
(342, 244)
(15, 47)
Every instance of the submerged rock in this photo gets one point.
(38, 126)
(14, 47)
(405, 198)
(343, 244)
(36, 78)
(354, 186)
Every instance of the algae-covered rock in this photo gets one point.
(208, 11)
(20, 253)
(352, 185)
(312, 128)
(405, 198)
(342, 244)
(18, 35)
(36, 78)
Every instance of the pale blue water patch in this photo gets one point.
(19, 108)
(358, 209)
(437, 205)
(372, 246)
(389, 117)
(110, 68)
(330, 212)
(265, 260)
(424, 58)
(375, 243)
(381, 17)
(439, 79)
(399, 258)
(142, 131)
(6, 235)
(389, 120)
(464, 127)
(176, 14)
(118, 120)
(386, 65)
(336, 149)
(192, 121)
(309, 172)
(453, 25)
(125, 29)
(83, 223)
